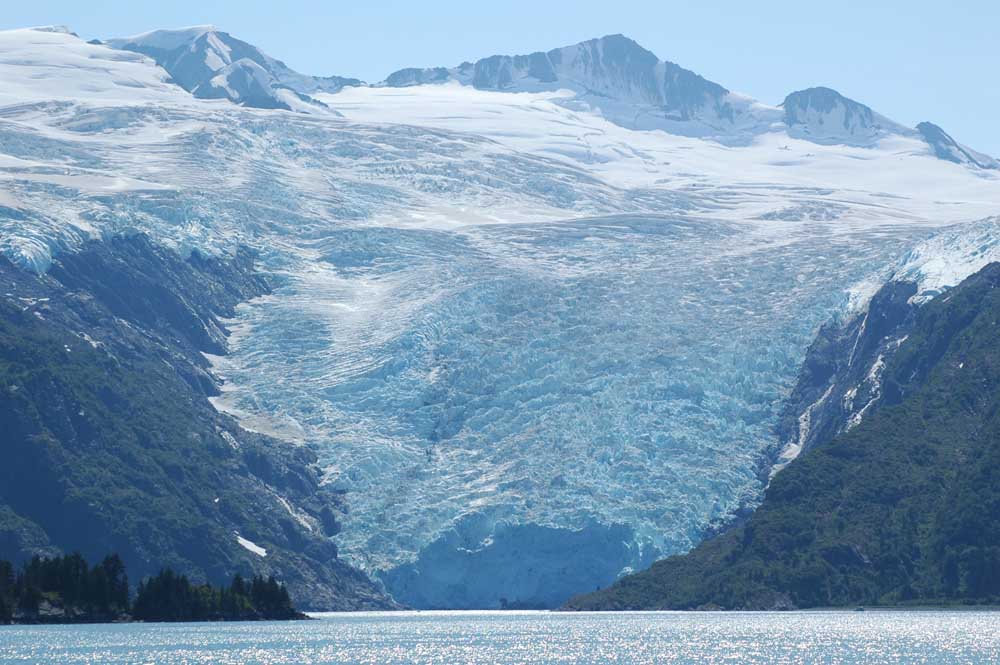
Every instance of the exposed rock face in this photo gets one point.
(947, 148)
(111, 445)
(826, 116)
(841, 377)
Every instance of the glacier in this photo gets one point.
(623, 370)
(521, 335)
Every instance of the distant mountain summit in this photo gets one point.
(826, 116)
(212, 64)
(612, 75)
(632, 87)
(628, 84)
(614, 67)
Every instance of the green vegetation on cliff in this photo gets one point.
(902, 509)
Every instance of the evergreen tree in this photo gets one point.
(7, 593)
(102, 593)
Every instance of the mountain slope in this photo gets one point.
(212, 64)
(823, 115)
(947, 148)
(110, 443)
(905, 507)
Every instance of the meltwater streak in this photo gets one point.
(620, 371)
(877, 638)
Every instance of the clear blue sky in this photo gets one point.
(912, 60)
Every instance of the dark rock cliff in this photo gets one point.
(841, 376)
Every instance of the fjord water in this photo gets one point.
(875, 637)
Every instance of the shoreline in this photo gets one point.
(402, 614)
(302, 616)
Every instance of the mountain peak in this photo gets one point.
(165, 39)
(620, 41)
(823, 100)
(823, 115)
(211, 63)
(609, 73)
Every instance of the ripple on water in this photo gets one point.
(528, 637)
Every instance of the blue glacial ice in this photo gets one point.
(537, 398)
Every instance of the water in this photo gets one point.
(528, 637)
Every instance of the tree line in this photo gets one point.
(67, 589)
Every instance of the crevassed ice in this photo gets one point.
(948, 257)
(623, 370)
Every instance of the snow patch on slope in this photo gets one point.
(251, 546)
(53, 65)
(947, 258)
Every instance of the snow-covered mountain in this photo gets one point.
(825, 116)
(511, 324)
(628, 83)
(632, 87)
(613, 75)
(212, 64)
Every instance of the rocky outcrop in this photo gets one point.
(948, 149)
(841, 376)
(826, 116)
